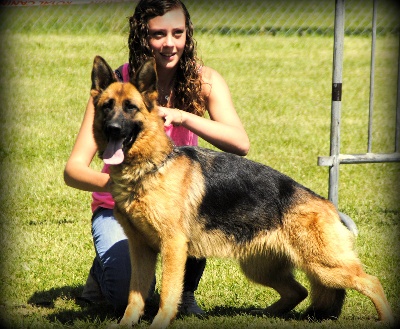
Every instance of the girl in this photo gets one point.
(161, 29)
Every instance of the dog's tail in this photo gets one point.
(349, 223)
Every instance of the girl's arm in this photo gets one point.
(77, 172)
(225, 130)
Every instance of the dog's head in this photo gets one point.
(121, 109)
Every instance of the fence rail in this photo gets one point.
(287, 17)
(336, 158)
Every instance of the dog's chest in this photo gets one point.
(143, 209)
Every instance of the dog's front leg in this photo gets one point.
(174, 256)
(143, 263)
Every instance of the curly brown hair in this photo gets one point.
(187, 86)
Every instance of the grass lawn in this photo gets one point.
(281, 88)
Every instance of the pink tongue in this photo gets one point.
(113, 154)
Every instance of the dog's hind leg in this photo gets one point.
(276, 273)
(323, 248)
(371, 287)
(328, 292)
(326, 303)
(291, 293)
(332, 266)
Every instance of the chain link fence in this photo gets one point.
(286, 17)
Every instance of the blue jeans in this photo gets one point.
(112, 267)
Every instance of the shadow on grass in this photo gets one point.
(48, 298)
(221, 311)
(100, 312)
(88, 312)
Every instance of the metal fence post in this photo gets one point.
(336, 101)
(372, 78)
(397, 134)
(336, 158)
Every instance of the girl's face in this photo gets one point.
(167, 37)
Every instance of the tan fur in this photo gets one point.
(157, 204)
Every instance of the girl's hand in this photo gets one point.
(170, 116)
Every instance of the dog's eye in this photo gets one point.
(129, 107)
(108, 106)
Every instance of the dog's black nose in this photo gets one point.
(113, 129)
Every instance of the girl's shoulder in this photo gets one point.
(211, 80)
(209, 75)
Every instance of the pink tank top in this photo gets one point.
(179, 135)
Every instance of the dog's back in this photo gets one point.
(241, 197)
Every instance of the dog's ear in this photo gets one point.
(145, 80)
(102, 76)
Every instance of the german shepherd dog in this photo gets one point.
(191, 201)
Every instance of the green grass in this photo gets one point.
(281, 89)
